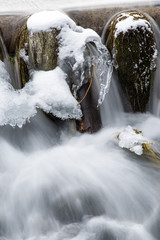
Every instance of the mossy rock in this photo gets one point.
(132, 45)
(148, 151)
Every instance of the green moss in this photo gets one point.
(133, 52)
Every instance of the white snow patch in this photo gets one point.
(47, 90)
(131, 140)
(47, 20)
(129, 22)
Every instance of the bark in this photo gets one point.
(43, 50)
(91, 120)
(134, 57)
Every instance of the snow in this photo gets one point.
(127, 21)
(52, 94)
(131, 140)
(46, 90)
(47, 20)
(24, 55)
(73, 43)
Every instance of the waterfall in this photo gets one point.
(58, 184)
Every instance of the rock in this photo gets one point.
(133, 140)
(132, 45)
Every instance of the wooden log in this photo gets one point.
(91, 120)
(42, 50)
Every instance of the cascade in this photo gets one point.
(55, 182)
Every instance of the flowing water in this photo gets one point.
(56, 184)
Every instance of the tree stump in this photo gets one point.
(132, 45)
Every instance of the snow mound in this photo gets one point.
(133, 140)
(46, 90)
(47, 20)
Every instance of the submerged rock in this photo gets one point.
(132, 45)
(133, 140)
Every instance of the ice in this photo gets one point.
(103, 69)
(129, 139)
(46, 90)
(73, 43)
